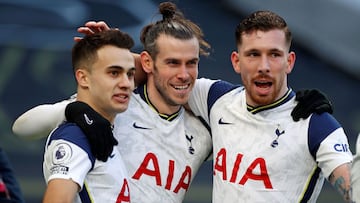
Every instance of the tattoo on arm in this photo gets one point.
(340, 185)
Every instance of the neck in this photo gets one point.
(157, 101)
(98, 110)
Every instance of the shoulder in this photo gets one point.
(70, 132)
(323, 124)
(320, 127)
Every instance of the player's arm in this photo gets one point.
(60, 191)
(40, 120)
(340, 180)
(355, 173)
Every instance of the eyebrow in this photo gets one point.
(121, 68)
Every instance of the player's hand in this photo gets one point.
(310, 101)
(91, 27)
(97, 129)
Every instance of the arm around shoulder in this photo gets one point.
(40, 120)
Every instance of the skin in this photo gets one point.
(171, 76)
(109, 83)
(106, 87)
(263, 60)
(340, 180)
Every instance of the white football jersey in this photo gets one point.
(68, 156)
(162, 152)
(261, 154)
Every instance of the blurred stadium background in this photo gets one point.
(35, 63)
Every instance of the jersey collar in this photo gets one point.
(142, 91)
(288, 95)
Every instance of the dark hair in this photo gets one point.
(174, 24)
(84, 52)
(263, 21)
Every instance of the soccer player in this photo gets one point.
(260, 153)
(163, 144)
(355, 173)
(104, 70)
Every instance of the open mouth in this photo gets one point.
(263, 84)
(181, 87)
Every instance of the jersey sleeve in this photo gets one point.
(205, 93)
(199, 96)
(329, 142)
(40, 120)
(67, 155)
(355, 173)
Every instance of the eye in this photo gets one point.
(131, 74)
(114, 73)
(193, 62)
(253, 54)
(274, 55)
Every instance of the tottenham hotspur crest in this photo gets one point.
(189, 138)
(278, 132)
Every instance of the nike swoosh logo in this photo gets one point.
(222, 122)
(88, 121)
(140, 127)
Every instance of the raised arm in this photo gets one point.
(39, 121)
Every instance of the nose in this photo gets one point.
(126, 82)
(182, 72)
(264, 66)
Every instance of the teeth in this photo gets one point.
(181, 87)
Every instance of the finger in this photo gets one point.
(93, 26)
(85, 31)
(77, 39)
(96, 27)
(102, 26)
(90, 23)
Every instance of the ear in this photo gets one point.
(146, 61)
(82, 78)
(291, 62)
(235, 61)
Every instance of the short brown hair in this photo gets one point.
(84, 52)
(263, 21)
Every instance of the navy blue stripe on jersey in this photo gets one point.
(84, 195)
(209, 129)
(320, 126)
(288, 95)
(72, 133)
(310, 188)
(218, 89)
